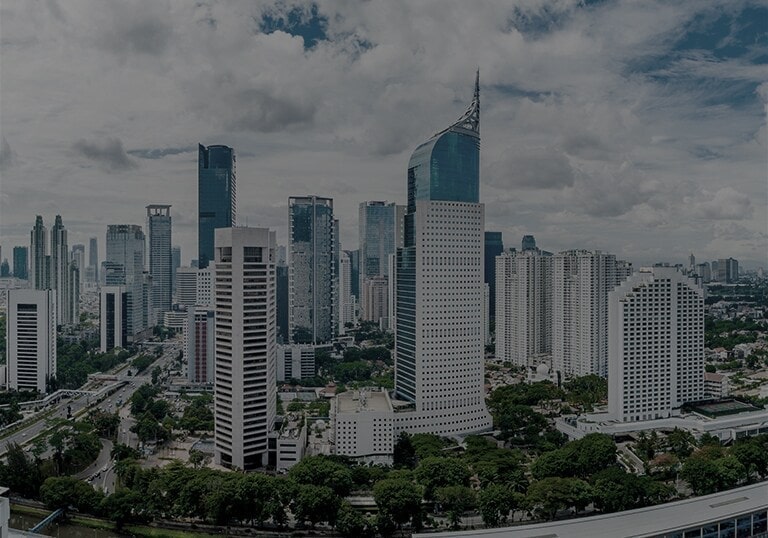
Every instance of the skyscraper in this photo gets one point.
(60, 272)
(439, 280)
(93, 257)
(199, 345)
(523, 307)
(494, 246)
(160, 266)
(175, 263)
(77, 256)
(581, 282)
(346, 299)
(378, 239)
(5, 269)
(31, 339)
(313, 269)
(40, 263)
(245, 348)
(20, 263)
(113, 316)
(124, 266)
(186, 286)
(216, 196)
(656, 344)
(528, 243)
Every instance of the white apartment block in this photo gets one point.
(113, 311)
(655, 345)
(296, 361)
(716, 386)
(523, 306)
(375, 293)
(581, 282)
(31, 339)
(245, 346)
(186, 286)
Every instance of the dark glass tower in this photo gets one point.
(20, 264)
(494, 246)
(216, 189)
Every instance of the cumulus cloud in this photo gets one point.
(159, 153)
(7, 155)
(726, 203)
(108, 153)
(531, 168)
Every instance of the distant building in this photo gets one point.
(5, 269)
(40, 262)
(296, 361)
(716, 386)
(60, 273)
(160, 261)
(346, 302)
(199, 339)
(656, 345)
(523, 306)
(283, 305)
(20, 263)
(205, 287)
(31, 339)
(380, 233)
(93, 258)
(528, 243)
(113, 315)
(216, 196)
(375, 300)
(175, 262)
(245, 346)
(494, 246)
(124, 266)
(727, 270)
(186, 286)
(314, 269)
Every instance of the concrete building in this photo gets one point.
(160, 263)
(60, 273)
(245, 346)
(656, 344)
(346, 303)
(716, 386)
(124, 266)
(727, 270)
(380, 234)
(365, 426)
(581, 282)
(291, 442)
(216, 197)
(20, 263)
(186, 286)
(113, 314)
(523, 306)
(175, 263)
(205, 287)
(31, 339)
(296, 361)
(199, 349)
(313, 270)
(77, 257)
(375, 300)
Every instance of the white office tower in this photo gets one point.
(186, 286)
(113, 309)
(656, 344)
(439, 339)
(296, 361)
(205, 287)
(346, 300)
(581, 282)
(199, 341)
(160, 259)
(60, 273)
(523, 307)
(246, 333)
(31, 339)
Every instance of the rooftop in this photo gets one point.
(359, 401)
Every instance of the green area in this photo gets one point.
(74, 362)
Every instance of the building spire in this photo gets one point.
(471, 118)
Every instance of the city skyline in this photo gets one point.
(596, 139)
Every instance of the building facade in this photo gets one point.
(186, 286)
(439, 368)
(93, 258)
(60, 272)
(199, 339)
(31, 339)
(313, 269)
(296, 361)
(124, 266)
(216, 196)
(346, 302)
(160, 263)
(245, 346)
(113, 314)
(494, 246)
(656, 345)
(21, 263)
(523, 307)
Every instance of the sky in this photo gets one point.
(637, 128)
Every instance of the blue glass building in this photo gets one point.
(216, 200)
(20, 264)
(494, 246)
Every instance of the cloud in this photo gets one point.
(532, 168)
(142, 27)
(7, 155)
(159, 153)
(726, 203)
(108, 153)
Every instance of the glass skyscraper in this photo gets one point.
(160, 265)
(313, 269)
(494, 246)
(216, 196)
(440, 290)
(20, 264)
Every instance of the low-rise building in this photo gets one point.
(364, 425)
(715, 386)
(291, 442)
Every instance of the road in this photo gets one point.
(101, 461)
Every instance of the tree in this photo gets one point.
(495, 501)
(349, 522)
(701, 474)
(433, 473)
(398, 501)
(198, 458)
(752, 453)
(66, 491)
(549, 495)
(455, 500)
(680, 443)
(316, 504)
(123, 506)
(322, 471)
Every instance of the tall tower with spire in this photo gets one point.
(60, 271)
(439, 345)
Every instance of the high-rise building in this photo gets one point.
(175, 263)
(5, 269)
(124, 266)
(245, 348)
(77, 257)
(186, 286)
(113, 315)
(60, 272)
(313, 269)
(439, 350)
(375, 299)
(283, 336)
(205, 287)
(378, 239)
(40, 263)
(346, 300)
(216, 196)
(494, 246)
(20, 263)
(160, 262)
(93, 258)
(656, 344)
(295, 361)
(528, 243)
(727, 270)
(354, 260)
(581, 282)
(523, 307)
(704, 271)
(199, 341)
(31, 339)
